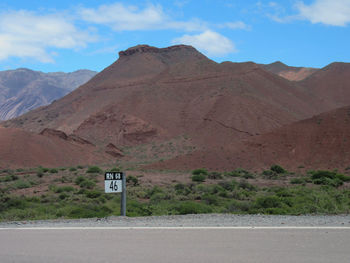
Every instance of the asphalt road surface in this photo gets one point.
(201, 244)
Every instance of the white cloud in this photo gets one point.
(329, 12)
(25, 34)
(236, 25)
(124, 18)
(209, 42)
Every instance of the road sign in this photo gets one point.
(114, 182)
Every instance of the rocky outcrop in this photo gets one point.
(60, 134)
(112, 150)
(150, 49)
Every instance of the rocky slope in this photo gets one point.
(290, 73)
(321, 142)
(50, 149)
(22, 89)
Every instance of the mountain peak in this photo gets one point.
(149, 49)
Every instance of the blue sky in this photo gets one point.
(69, 35)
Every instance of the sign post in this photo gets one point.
(115, 182)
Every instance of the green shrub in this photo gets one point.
(88, 184)
(268, 202)
(210, 199)
(133, 180)
(229, 185)
(53, 171)
(247, 186)
(9, 178)
(93, 194)
(297, 181)
(116, 169)
(331, 178)
(198, 178)
(65, 188)
(63, 196)
(278, 169)
(94, 169)
(20, 184)
(84, 182)
(214, 175)
(72, 169)
(200, 171)
(239, 172)
(343, 178)
(179, 187)
(79, 179)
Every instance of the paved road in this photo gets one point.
(181, 245)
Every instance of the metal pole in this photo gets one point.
(123, 199)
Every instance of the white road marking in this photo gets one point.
(184, 228)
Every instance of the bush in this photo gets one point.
(79, 179)
(61, 189)
(88, 184)
(84, 182)
(229, 185)
(132, 180)
(93, 194)
(278, 169)
(268, 202)
(247, 186)
(214, 175)
(330, 178)
(72, 169)
(94, 169)
(53, 171)
(20, 184)
(201, 171)
(297, 181)
(116, 169)
(198, 178)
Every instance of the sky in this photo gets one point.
(64, 35)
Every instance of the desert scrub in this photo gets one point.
(198, 178)
(132, 180)
(201, 171)
(84, 182)
(94, 169)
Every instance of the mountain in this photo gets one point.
(153, 94)
(51, 148)
(320, 142)
(330, 84)
(22, 89)
(290, 73)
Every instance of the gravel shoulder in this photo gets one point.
(200, 220)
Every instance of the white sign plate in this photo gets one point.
(113, 182)
(113, 186)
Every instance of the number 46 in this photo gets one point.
(114, 186)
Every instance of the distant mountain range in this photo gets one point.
(22, 90)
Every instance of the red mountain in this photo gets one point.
(290, 73)
(330, 84)
(320, 142)
(50, 149)
(153, 94)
